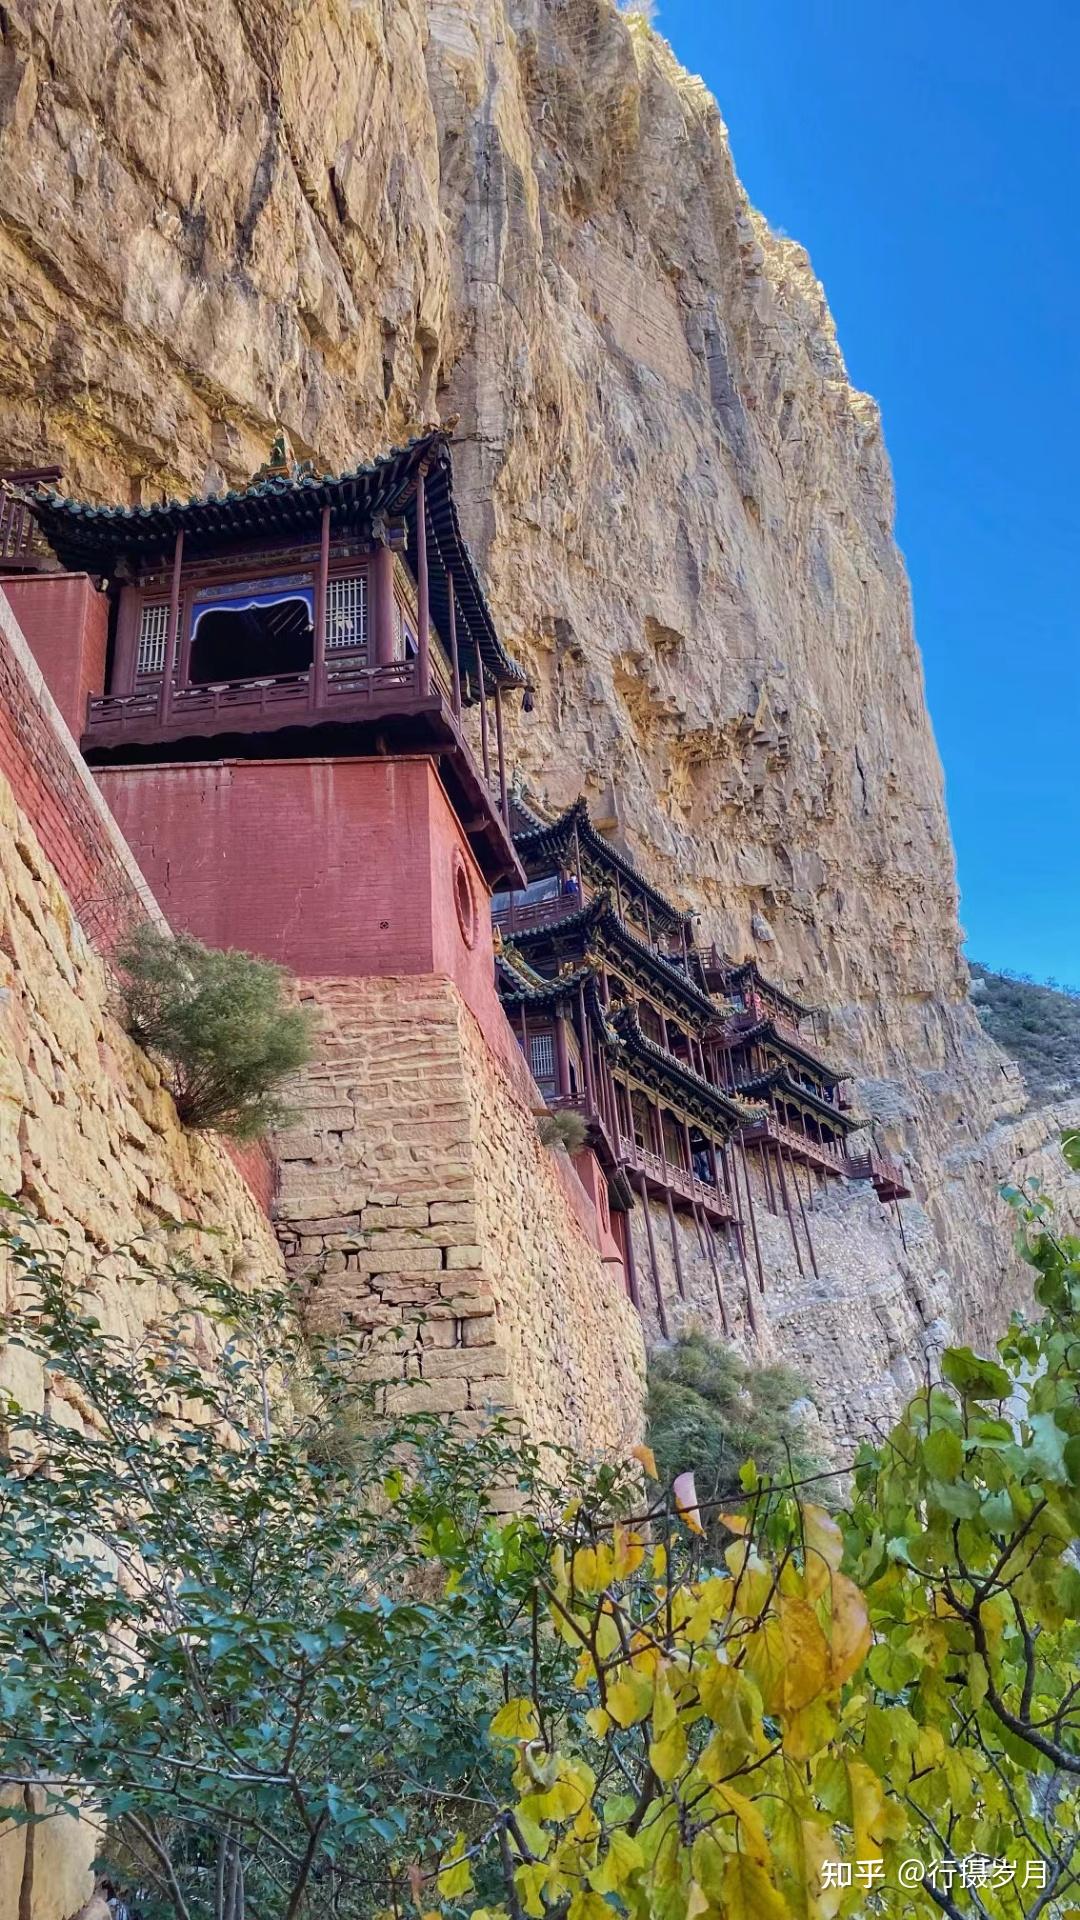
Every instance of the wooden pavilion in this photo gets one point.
(304, 613)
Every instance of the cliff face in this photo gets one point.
(354, 218)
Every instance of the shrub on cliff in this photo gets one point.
(1038, 1023)
(709, 1412)
(222, 1022)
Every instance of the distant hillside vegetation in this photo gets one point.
(1038, 1025)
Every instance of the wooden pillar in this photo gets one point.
(586, 1049)
(171, 639)
(648, 922)
(663, 1030)
(317, 678)
(455, 663)
(770, 1193)
(577, 861)
(125, 665)
(679, 1275)
(524, 1034)
(661, 1310)
(504, 798)
(423, 596)
(618, 895)
(562, 1055)
(383, 585)
(485, 751)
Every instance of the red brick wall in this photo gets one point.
(57, 794)
(341, 868)
(66, 622)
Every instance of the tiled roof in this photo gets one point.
(95, 537)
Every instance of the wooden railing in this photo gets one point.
(664, 1174)
(882, 1170)
(252, 697)
(771, 1131)
(536, 913)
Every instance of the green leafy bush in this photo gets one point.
(222, 1021)
(708, 1412)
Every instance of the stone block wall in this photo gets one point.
(415, 1194)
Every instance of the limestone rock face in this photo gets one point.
(356, 217)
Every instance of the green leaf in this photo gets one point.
(973, 1377)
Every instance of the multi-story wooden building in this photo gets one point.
(596, 972)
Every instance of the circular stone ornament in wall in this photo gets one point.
(465, 900)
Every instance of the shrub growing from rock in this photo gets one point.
(222, 1022)
(708, 1412)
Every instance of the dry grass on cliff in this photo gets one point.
(1039, 1025)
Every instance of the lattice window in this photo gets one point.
(346, 611)
(153, 633)
(542, 1056)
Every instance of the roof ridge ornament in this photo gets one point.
(282, 463)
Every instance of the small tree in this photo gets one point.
(564, 1128)
(222, 1022)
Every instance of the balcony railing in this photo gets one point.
(769, 1131)
(662, 1173)
(886, 1174)
(248, 699)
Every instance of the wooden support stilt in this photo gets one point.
(787, 1209)
(710, 1248)
(768, 1179)
(679, 1274)
(661, 1310)
(738, 1153)
(630, 1263)
(805, 1221)
(752, 1220)
(900, 1224)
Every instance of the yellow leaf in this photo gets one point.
(667, 1756)
(456, 1876)
(529, 1882)
(664, 1709)
(751, 1825)
(629, 1550)
(808, 1730)
(824, 1548)
(686, 1502)
(598, 1722)
(696, 1902)
(592, 1569)
(647, 1459)
(850, 1637)
(735, 1522)
(733, 1705)
(867, 1810)
(806, 1668)
(629, 1698)
(516, 1721)
(749, 1894)
(588, 1906)
(623, 1857)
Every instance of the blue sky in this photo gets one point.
(927, 157)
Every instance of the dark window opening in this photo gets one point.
(252, 644)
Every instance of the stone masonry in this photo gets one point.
(416, 1195)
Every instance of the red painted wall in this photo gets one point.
(66, 623)
(331, 867)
